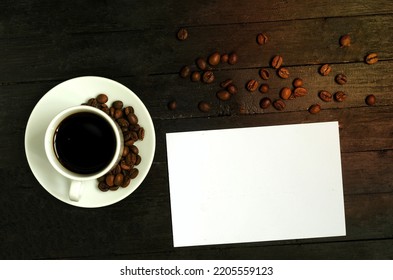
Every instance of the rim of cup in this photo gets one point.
(49, 145)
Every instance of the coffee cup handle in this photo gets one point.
(75, 190)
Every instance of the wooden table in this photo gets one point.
(43, 43)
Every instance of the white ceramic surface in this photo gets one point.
(72, 93)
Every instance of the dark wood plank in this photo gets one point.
(157, 51)
(21, 18)
(140, 225)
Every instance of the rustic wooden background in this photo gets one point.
(43, 43)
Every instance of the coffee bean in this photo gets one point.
(124, 165)
(208, 77)
(325, 96)
(134, 149)
(340, 96)
(262, 38)
(297, 82)
(138, 160)
(182, 34)
(252, 85)
(118, 181)
(345, 40)
(224, 58)
(370, 100)
(232, 89)
(195, 76)
(103, 186)
(277, 61)
(285, 93)
(283, 73)
(264, 88)
(134, 173)
(201, 63)
(325, 70)
(126, 151)
(226, 83)
(214, 58)
(265, 103)
(109, 180)
(223, 95)
(127, 110)
(300, 91)
(314, 109)
(264, 73)
(172, 105)
(118, 114)
(92, 102)
(141, 134)
(233, 58)
(123, 122)
(341, 79)
(118, 104)
(185, 71)
(279, 104)
(132, 119)
(126, 181)
(203, 106)
(102, 98)
(371, 58)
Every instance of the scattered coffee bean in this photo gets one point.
(277, 61)
(285, 93)
(265, 103)
(92, 102)
(118, 181)
(203, 106)
(300, 91)
(118, 114)
(201, 63)
(226, 83)
(345, 40)
(370, 100)
(325, 96)
(340, 96)
(279, 104)
(117, 104)
(103, 186)
(208, 77)
(182, 34)
(132, 118)
(223, 95)
(214, 59)
(264, 73)
(172, 105)
(325, 70)
(264, 88)
(252, 85)
(233, 58)
(297, 82)
(314, 109)
(371, 58)
(195, 76)
(283, 73)
(224, 58)
(232, 89)
(185, 71)
(262, 38)
(102, 98)
(341, 79)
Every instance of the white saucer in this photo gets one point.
(71, 93)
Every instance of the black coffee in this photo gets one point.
(84, 143)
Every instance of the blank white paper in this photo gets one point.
(255, 184)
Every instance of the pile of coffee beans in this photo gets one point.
(125, 171)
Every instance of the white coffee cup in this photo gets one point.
(77, 179)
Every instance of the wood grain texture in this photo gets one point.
(43, 43)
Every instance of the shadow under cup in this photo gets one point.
(83, 143)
